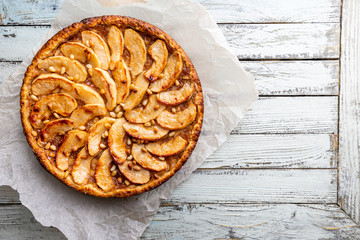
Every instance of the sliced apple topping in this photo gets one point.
(94, 41)
(85, 113)
(171, 73)
(81, 170)
(59, 103)
(86, 94)
(146, 160)
(103, 174)
(96, 132)
(136, 46)
(179, 119)
(151, 111)
(72, 142)
(116, 44)
(159, 53)
(167, 147)
(107, 86)
(140, 176)
(116, 141)
(81, 53)
(53, 128)
(172, 98)
(138, 130)
(61, 65)
(122, 80)
(140, 86)
(46, 83)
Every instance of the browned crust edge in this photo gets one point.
(62, 36)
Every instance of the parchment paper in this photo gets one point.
(228, 91)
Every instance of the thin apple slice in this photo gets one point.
(176, 97)
(179, 119)
(171, 73)
(53, 128)
(122, 80)
(151, 111)
(116, 44)
(116, 142)
(81, 53)
(46, 83)
(95, 133)
(140, 86)
(81, 169)
(86, 94)
(73, 141)
(167, 147)
(102, 174)
(105, 83)
(146, 160)
(85, 113)
(99, 46)
(61, 65)
(136, 46)
(60, 103)
(138, 130)
(159, 53)
(141, 176)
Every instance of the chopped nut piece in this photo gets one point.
(52, 154)
(128, 151)
(130, 165)
(148, 124)
(67, 154)
(56, 115)
(90, 71)
(88, 66)
(33, 97)
(72, 56)
(34, 133)
(149, 91)
(102, 145)
(156, 129)
(143, 149)
(132, 86)
(120, 114)
(84, 156)
(74, 148)
(156, 176)
(107, 125)
(46, 121)
(62, 71)
(152, 121)
(103, 135)
(53, 147)
(136, 168)
(70, 78)
(76, 77)
(171, 134)
(47, 146)
(129, 141)
(186, 77)
(102, 91)
(156, 107)
(177, 83)
(161, 158)
(145, 102)
(82, 128)
(134, 162)
(117, 109)
(87, 43)
(127, 183)
(113, 168)
(173, 110)
(119, 180)
(106, 133)
(113, 173)
(52, 69)
(129, 157)
(112, 114)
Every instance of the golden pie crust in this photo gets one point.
(120, 89)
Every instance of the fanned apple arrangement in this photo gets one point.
(112, 106)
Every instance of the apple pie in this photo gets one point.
(112, 106)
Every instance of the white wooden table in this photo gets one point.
(290, 170)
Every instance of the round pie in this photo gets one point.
(112, 106)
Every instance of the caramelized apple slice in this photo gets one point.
(80, 53)
(98, 45)
(72, 141)
(172, 98)
(138, 130)
(140, 86)
(81, 169)
(85, 113)
(102, 174)
(122, 80)
(95, 133)
(167, 147)
(151, 111)
(61, 65)
(159, 53)
(60, 103)
(177, 120)
(106, 84)
(53, 128)
(86, 94)
(171, 73)
(136, 46)
(116, 143)
(46, 83)
(116, 44)
(141, 176)
(146, 160)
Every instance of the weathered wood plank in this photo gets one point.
(295, 77)
(349, 165)
(249, 41)
(283, 221)
(276, 151)
(283, 41)
(258, 186)
(291, 115)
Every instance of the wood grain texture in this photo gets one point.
(290, 115)
(349, 164)
(258, 186)
(295, 77)
(284, 221)
(283, 41)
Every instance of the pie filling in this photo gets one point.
(113, 107)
